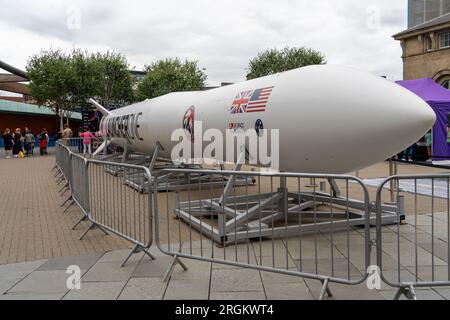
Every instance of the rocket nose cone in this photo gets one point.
(412, 113)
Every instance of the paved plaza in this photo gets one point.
(32, 225)
(37, 245)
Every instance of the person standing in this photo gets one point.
(428, 144)
(7, 142)
(66, 134)
(17, 146)
(29, 143)
(87, 139)
(43, 141)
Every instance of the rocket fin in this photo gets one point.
(99, 107)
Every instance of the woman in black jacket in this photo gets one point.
(7, 142)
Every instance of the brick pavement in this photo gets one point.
(32, 225)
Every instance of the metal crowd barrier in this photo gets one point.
(278, 225)
(63, 164)
(79, 184)
(415, 253)
(303, 225)
(106, 200)
(119, 209)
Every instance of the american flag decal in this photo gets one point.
(251, 101)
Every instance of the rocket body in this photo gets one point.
(330, 119)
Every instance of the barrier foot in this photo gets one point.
(92, 226)
(409, 292)
(70, 204)
(84, 218)
(65, 201)
(325, 289)
(62, 190)
(172, 265)
(136, 249)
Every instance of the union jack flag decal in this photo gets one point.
(251, 101)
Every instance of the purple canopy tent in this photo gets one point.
(439, 100)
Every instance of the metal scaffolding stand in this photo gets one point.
(252, 216)
(166, 182)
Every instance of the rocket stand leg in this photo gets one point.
(222, 219)
(230, 183)
(335, 188)
(126, 153)
(158, 148)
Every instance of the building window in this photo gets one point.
(428, 43)
(444, 40)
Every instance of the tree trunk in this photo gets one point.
(61, 121)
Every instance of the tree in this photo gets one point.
(113, 81)
(170, 75)
(274, 61)
(65, 82)
(52, 79)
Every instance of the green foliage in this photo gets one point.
(274, 61)
(51, 79)
(64, 82)
(114, 83)
(170, 75)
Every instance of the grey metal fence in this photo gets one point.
(79, 185)
(107, 201)
(415, 251)
(116, 207)
(277, 225)
(305, 225)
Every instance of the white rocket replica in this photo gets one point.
(330, 119)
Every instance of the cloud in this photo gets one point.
(223, 36)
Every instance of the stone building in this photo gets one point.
(426, 50)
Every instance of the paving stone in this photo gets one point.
(61, 263)
(21, 269)
(196, 270)
(96, 291)
(108, 272)
(256, 295)
(443, 291)
(425, 273)
(32, 296)
(341, 267)
(42, 282)
(153, 268)
(277, 278)
(229, 280)
(120, 255)
(143, 289)
(7, 283)
(187, 290)
(441, 249)
(287, 291)
(32, 224)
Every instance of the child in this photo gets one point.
(43, 141)
(87, 138)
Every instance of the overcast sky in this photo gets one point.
(221, 35)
